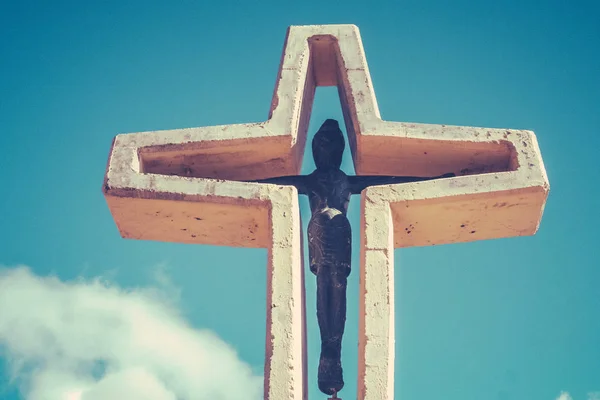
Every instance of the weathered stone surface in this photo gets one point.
(157, 188)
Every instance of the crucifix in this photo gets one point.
(238, 185)
(329, 240)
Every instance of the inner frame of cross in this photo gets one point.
(329, 239)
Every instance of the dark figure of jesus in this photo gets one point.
(329, 240)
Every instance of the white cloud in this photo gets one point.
(594, 396)
(93, 341)
(564, 396)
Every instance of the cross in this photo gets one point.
(187, 185)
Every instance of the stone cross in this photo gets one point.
(184, 186)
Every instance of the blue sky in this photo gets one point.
(505, 319)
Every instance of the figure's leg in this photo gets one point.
(331, 313)
(333, 283)
(323, 307)
(330, 255)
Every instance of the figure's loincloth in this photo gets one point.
(329, 241)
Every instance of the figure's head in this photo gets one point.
(328, 145)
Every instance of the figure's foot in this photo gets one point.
(330, 376)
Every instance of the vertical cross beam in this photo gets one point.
(178, 186)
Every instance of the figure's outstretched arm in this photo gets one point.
(299, 181)
(360, 182)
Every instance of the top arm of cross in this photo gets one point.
(299, 181)
(360, 182)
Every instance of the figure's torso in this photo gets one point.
(328, 189)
